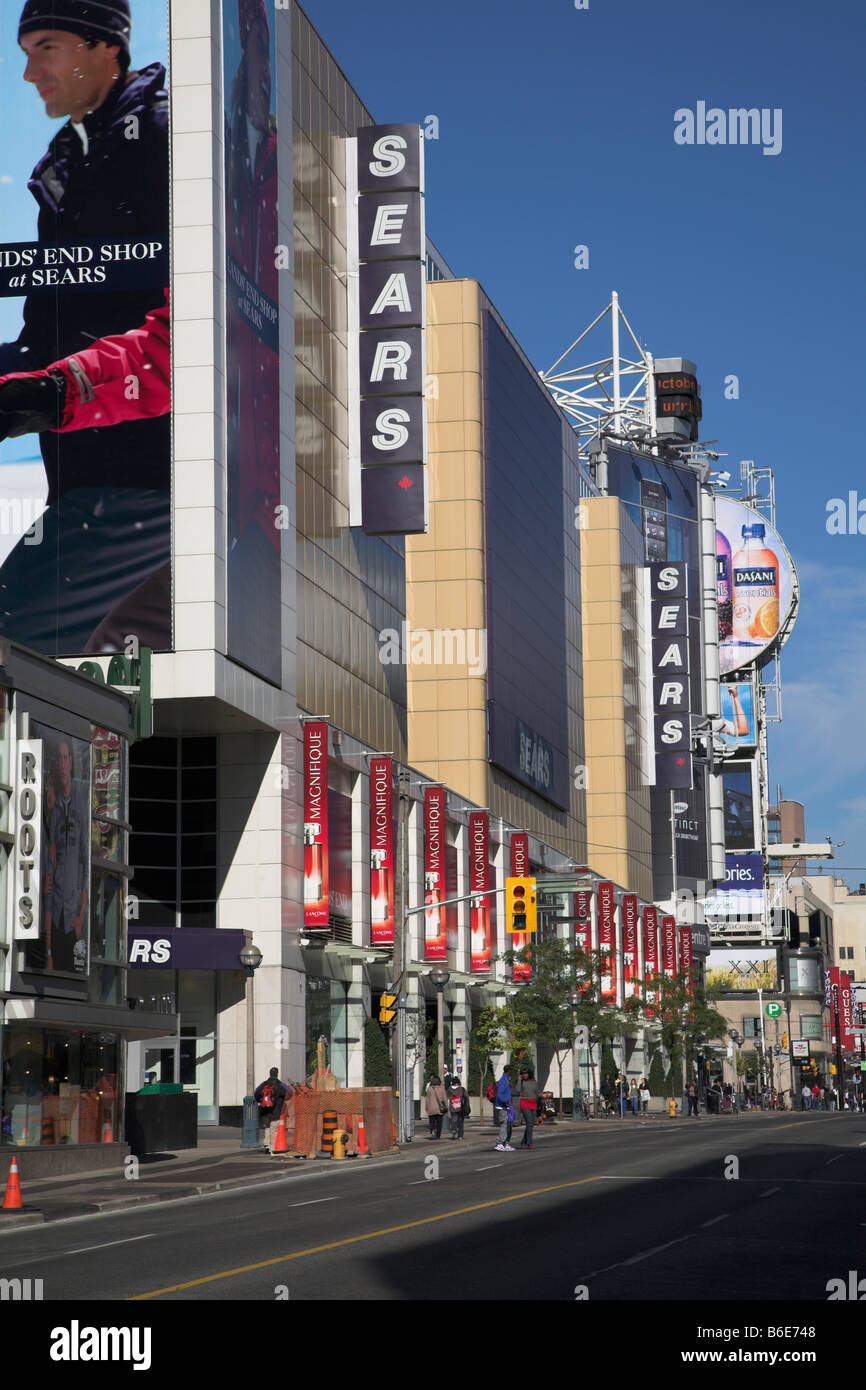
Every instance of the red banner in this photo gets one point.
(521, 970)
(846, 1011)
(607, 942)
(650, 952)
(435, 947)
(381, 852)
(316, 903)
(686, 955)
(629, 942)
(479, 882)
(669, 946)
(583, 923)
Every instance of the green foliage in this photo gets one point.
(656, 1076)
(608, 1062)
(377, 1059)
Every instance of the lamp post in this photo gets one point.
(576, 1092)
(739, 1040)
(250, 958)
(440, 978)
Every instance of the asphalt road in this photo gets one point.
(733, 1208)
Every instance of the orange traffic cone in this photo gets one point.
(361, 1147)
(12, 1200)
(393, 1132)
(280, 1145)
(107, 1137)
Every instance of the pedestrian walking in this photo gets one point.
(806, 1095)
(816, 1097)
(271, 1096)
(621, 1085)
(503, 1113)
(458, 1106)
(527, 1093)
(435, 1105)
(608, 1092)
(634, 1096)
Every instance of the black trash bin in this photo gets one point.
(161, 1121)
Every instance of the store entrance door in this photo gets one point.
(161, 1057)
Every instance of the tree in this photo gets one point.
(377, 1062)
(684, 1018)
(487, 1037)
(656, 1076)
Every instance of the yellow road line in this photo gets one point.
(354, 1240)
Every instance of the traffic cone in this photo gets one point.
(107, 1137)
(393, 1132)
(12, 1200)
(280, 1145)
(361, 1147)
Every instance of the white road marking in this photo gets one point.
(656, 1250)
(84, 1248)
(314, 1203)
(833, 1160)
(770, 1191)
(713, 1221)
(488, 1166)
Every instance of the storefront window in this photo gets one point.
(60, 1087)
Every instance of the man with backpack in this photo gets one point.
(503, 1114)
(271, 1096)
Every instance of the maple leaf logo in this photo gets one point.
(405, 482)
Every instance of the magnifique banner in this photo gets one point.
(381, 852)
(435, 943)
(479, 882)
(316, 901)
(521, 970)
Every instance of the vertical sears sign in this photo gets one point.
(521, 970)
(629, 942)
(650, 952)
(387, 318)
(479, 882)
(607, 941)
(28, 840)
(669, 590)
(316, 901)
(435, 944)
(381, 852)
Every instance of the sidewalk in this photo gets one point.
(219, 1165)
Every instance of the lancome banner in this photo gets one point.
(521, 970)
(629, 942)
(479, 882)
(607, 941)
(316, 901)
(435, 942)
(381, 852)
(650, 952)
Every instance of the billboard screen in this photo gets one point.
(742, 893)
(85, 457)
(739, 728)
(742, 968)
(63, 942)
(756, 579)
(740, 801)
(252, 338)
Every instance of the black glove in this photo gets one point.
(31, 404)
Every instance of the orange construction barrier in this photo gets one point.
(361, 1147)
(280, 1145)
(12, 1200)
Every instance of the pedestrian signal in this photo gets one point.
(386, 1007)
(521, 913)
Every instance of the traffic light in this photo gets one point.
(521, 913)
(386, 1007)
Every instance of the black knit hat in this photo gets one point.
(98, 21)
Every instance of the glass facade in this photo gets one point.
(173, 849)
(351, 587)
(60, 1086)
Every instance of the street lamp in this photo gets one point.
(440, 978)
(574, 1000)
(250, 958)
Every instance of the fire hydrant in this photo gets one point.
(672, 1108)
(341, 1139)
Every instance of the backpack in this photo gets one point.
(269, 1096)
(491, 1091)
(457, 1103)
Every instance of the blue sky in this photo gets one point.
(556, 128)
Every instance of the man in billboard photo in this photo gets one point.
(252, 344)
(67, 880)
(101, 572)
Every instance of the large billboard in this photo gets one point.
(742, 968)
(85, 458)
(739, 727)
(741, 802)
(252, 337)
(742, 893)
(756, 579)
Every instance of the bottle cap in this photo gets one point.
(758, 531)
